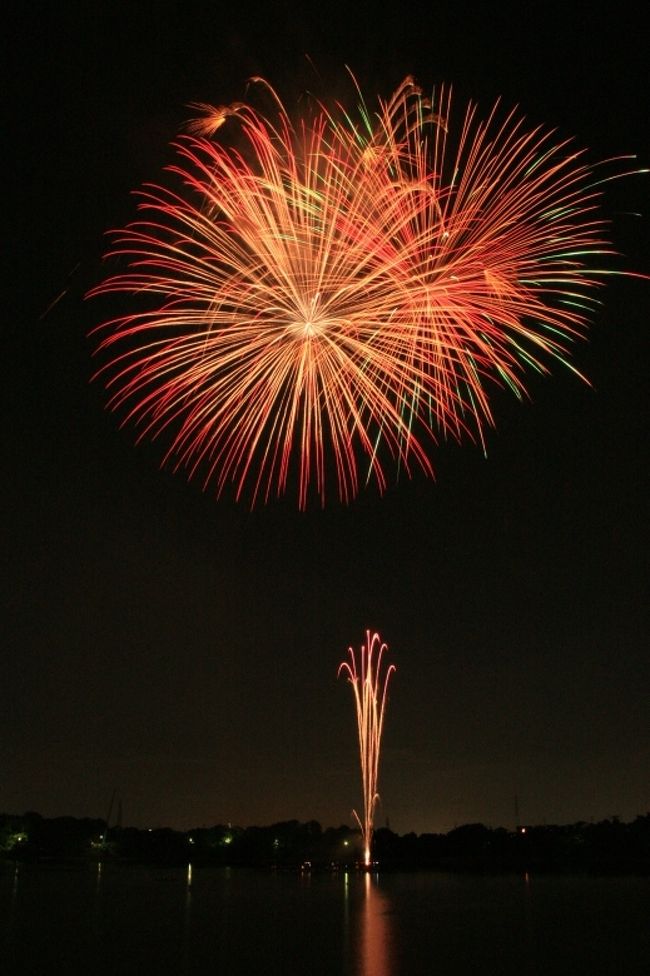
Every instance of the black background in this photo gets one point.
(184, 651)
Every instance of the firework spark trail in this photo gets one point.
(370, 688)
(319, 298)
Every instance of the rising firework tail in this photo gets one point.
(317, 302)
(369, 680)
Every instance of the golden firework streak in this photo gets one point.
(370, 689)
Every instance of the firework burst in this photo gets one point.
(315, 303)
(370, 687)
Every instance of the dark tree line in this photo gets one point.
(607, 846)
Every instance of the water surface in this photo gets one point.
(111, 919)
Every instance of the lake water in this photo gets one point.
(106, 919)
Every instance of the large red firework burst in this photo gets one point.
(316, 302)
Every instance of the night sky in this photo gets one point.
(182, 650)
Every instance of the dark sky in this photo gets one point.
(183, 650)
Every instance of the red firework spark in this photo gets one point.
(322, 300)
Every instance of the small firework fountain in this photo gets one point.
(370, 688)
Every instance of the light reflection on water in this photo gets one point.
(14, 894)
(375, 949)
(187, 922)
